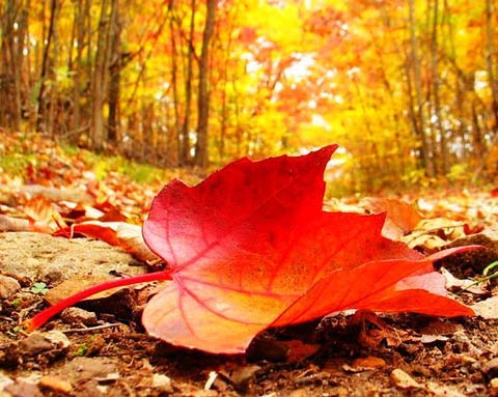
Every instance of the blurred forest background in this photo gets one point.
(409, 88)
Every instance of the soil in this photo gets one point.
(108, 354)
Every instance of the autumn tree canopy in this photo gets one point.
(409, 88)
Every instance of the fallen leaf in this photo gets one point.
(439, 327)
(55, 384)
(401, 216)
(53, 194)
(118, 234)
(443, 390)
(368, 363)
(42, 212)
(73, 285)
(11, 224)
(453, 283)
(404, 381)
(250, 248)
(487, 308)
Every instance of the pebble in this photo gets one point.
(338, 391)
(4, 381)
(75, 315)
(404, 381)
(163, 382)
(34, 344)
(55, 384)
(23, 389)
(493, 387)
(57, 338)
(8, 286)
(267, 349)
(491, 368)
(242, 376)
(299, 393)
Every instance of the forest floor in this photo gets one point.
(100, 348)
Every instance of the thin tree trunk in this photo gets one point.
(185, 139)
(41, 120)
(201, 149)
(490, 53)
(419, 119)
(76, 66)
(115, 74)
(174, 83)
(98, 130)
(10, 77)
(435, 90)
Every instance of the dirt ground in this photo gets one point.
(100, 348)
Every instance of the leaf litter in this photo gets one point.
(337, 341)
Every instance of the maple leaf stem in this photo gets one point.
(45, 315)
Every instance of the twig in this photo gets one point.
(438, 228)
(486, 275)
(25, 311)
(89, 329)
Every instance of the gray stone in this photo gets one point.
(44, 257)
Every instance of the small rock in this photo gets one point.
(338, 391)
(267, 349)
(443, 390)
(87, 368)
(55, 384)
(109, 378)
(428, 339)
(57, 338)
(162, 382)
(5, 381)
(491, 368)
(313, 378)
(242, 376)
(369, 362)
(23, 389)
(299, 393)
(205, 393)
(8, 286)
(404, 381)
(75, 315)
(439, 327)
(34, 344)
(493, 387)
(51, 345)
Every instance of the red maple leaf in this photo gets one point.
(250, 248)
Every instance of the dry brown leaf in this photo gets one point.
(401, 216)
(453, 283)
(487, 308)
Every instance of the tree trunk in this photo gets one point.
(443, 150)
(185, 139)
(201, 149)
(115, 74)
(42, 115)
(490, 53)
(76, 65)
(174, 84)
(10, 68)
(98, 130)
(419, 111)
